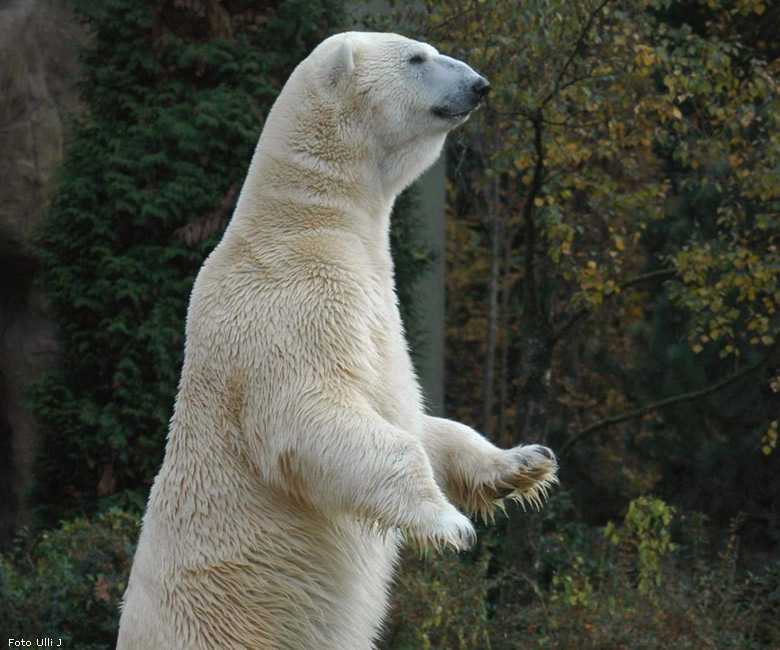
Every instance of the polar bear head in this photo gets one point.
(381, 97)
(404, 82)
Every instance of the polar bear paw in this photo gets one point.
(523, 474)
(531, 471)
(443, 528)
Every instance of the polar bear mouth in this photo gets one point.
(449, 115)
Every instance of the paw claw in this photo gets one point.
(470, 538)
(450, 529)
(533, 473)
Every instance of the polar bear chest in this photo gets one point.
(393, 388)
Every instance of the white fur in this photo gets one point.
(299, 454)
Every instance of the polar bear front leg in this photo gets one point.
(352, 460)
(476, 475)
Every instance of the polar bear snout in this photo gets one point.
(465, 89)
(480, 87)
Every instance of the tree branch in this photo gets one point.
(663, 274)
(655, 406)
(447, 21)
(580, 41)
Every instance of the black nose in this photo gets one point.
(481, 87)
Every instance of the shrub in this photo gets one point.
(441, 603)
(67, 585)
(641, 584)
(629, 587)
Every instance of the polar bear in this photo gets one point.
(300, 454)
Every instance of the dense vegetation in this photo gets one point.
(613, 290)
(176, 101)
(627, 586)
(613, 272)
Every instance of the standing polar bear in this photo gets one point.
(300, 454)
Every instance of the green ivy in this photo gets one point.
(175, 102)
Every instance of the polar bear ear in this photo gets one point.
(341, 62)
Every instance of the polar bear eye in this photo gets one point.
(416, 59)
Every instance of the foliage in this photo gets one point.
(634, 588)
(769, 439)
(626, 586)
(70, 580)
(69, 583)
(606, 121)
(612, 255)
(646, 535)
(176, 98)
(442, 603)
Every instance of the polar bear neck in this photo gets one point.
(319, 154)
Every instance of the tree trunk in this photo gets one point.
(524, 529)
(503, 389)
(492, 315)
(521, 549)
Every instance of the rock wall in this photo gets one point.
(38, 73)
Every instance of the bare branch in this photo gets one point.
(447, 21)
(655, 406)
